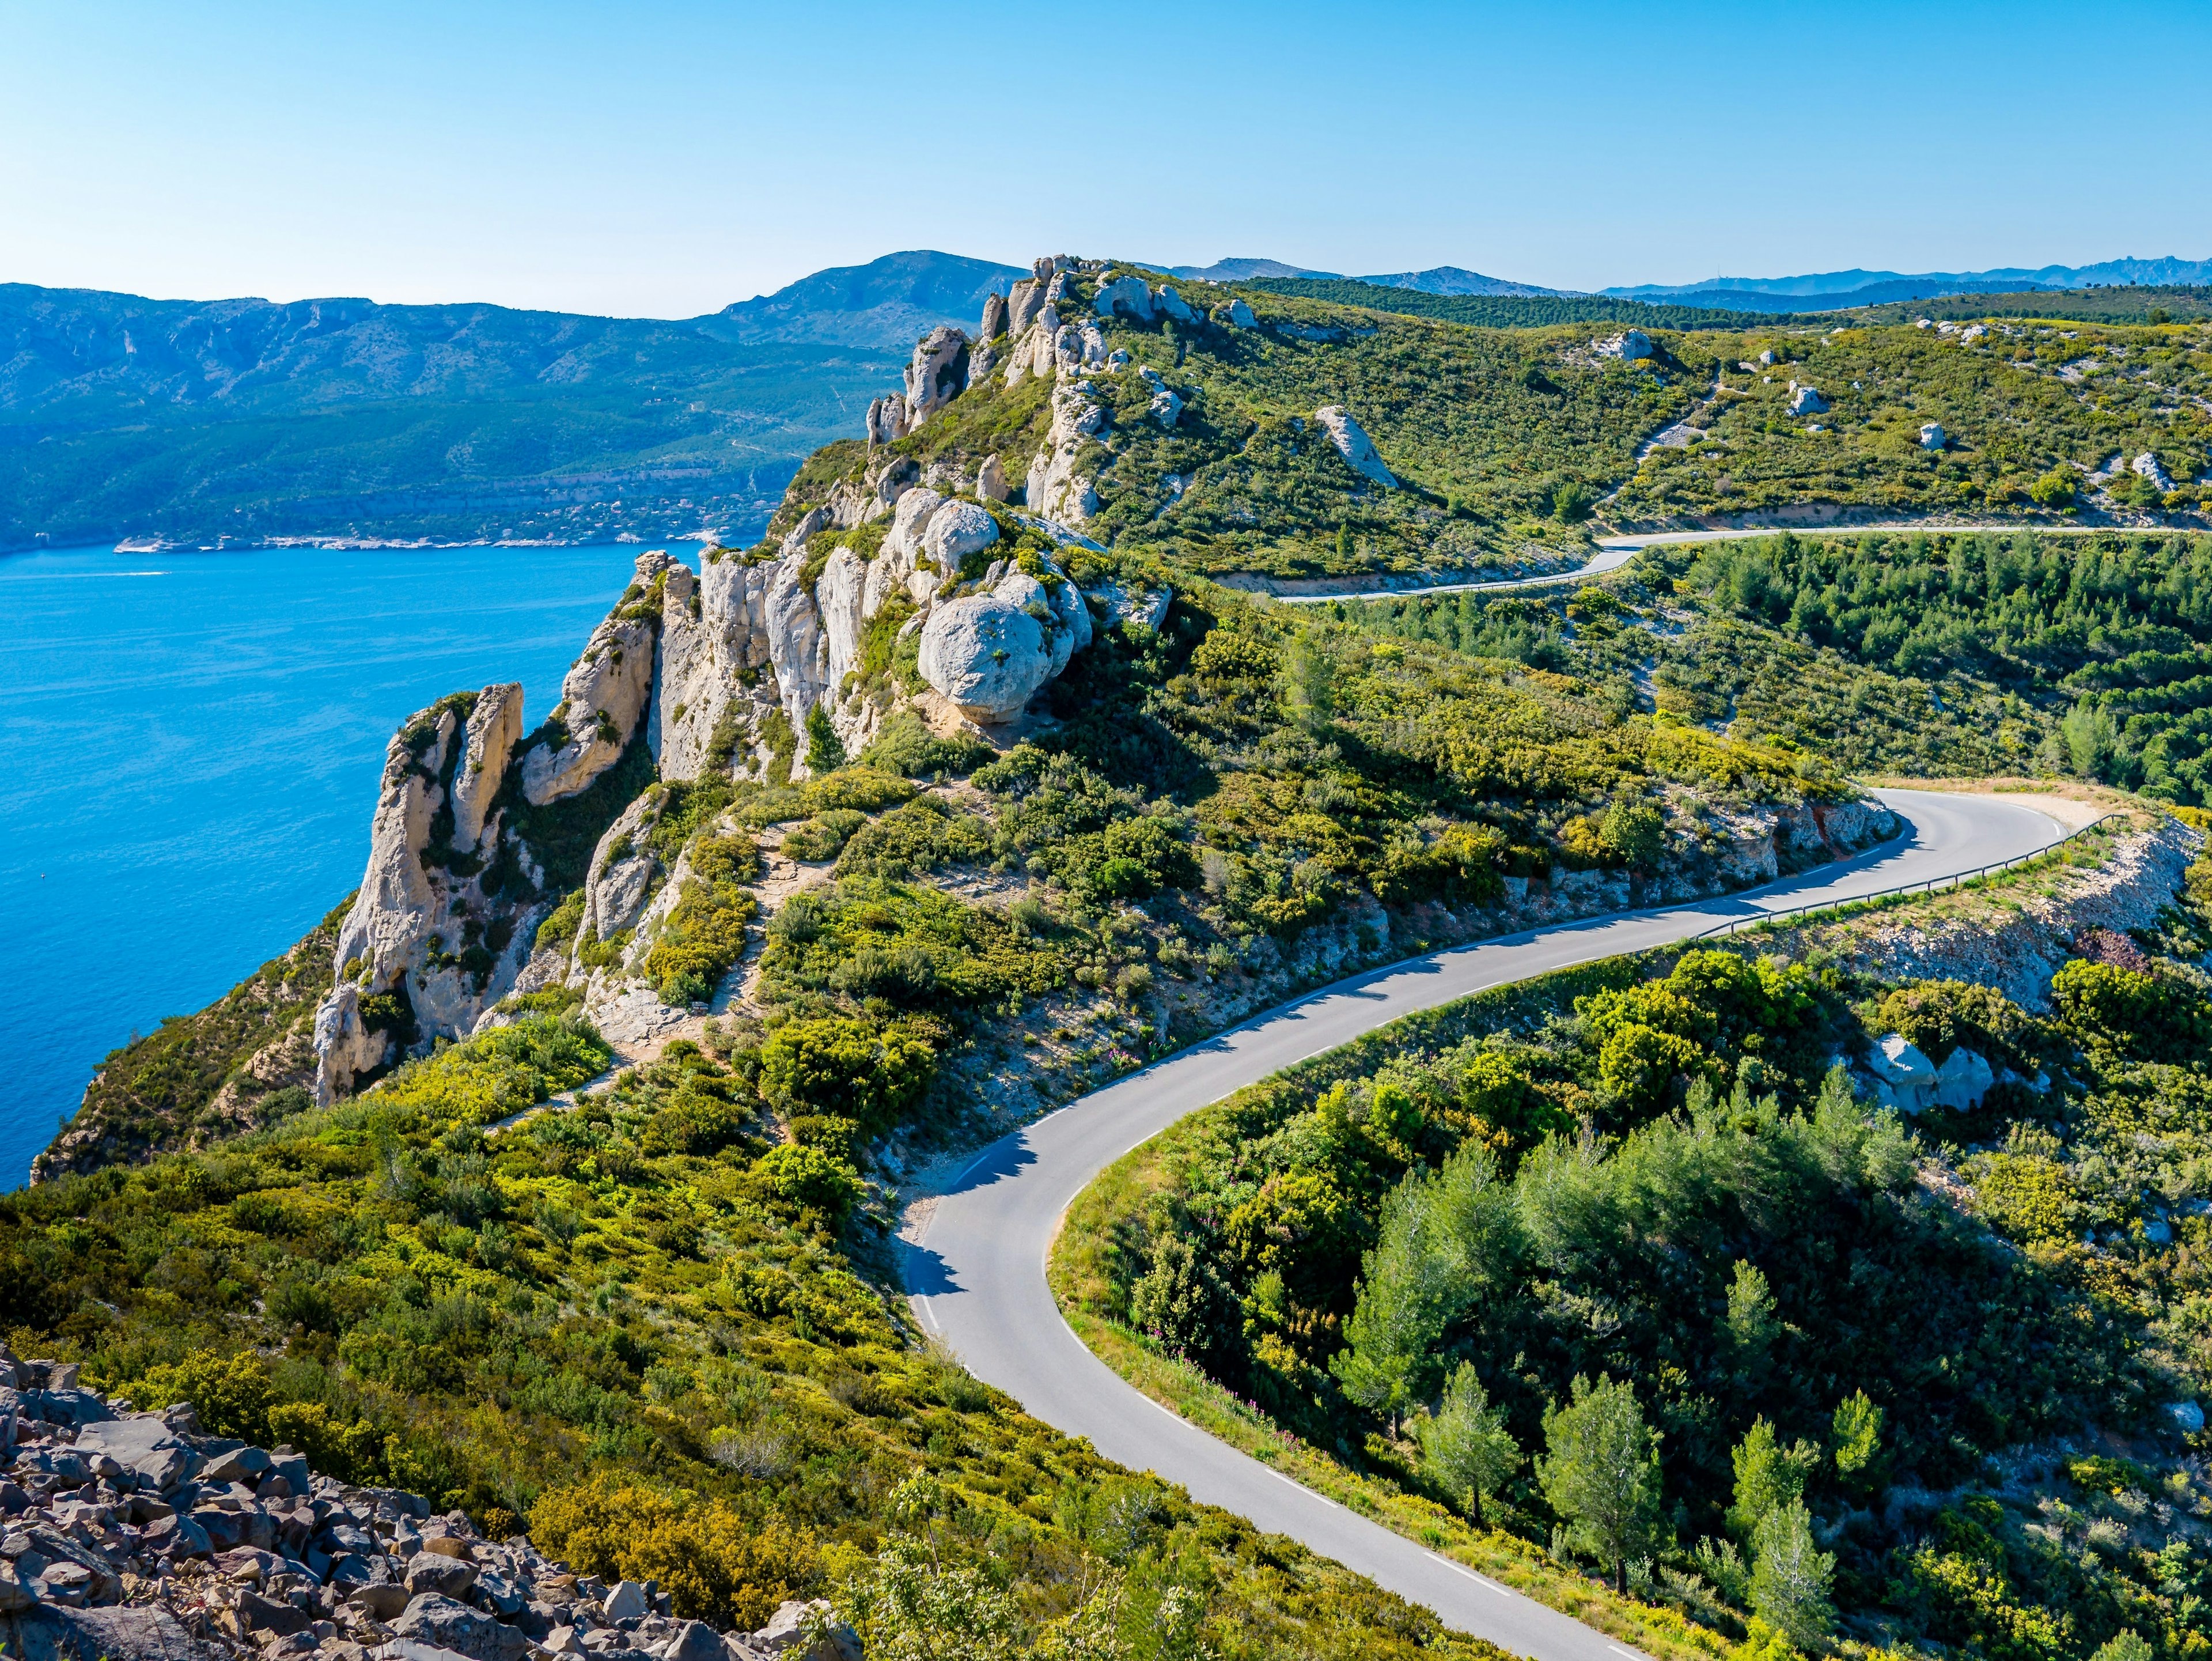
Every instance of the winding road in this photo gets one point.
(975, 1270)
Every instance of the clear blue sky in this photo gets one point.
(662, 158)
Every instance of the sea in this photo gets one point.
(189, 748)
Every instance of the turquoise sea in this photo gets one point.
(190, 745)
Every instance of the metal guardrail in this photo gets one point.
(1932, 884)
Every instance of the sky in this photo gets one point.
(664, 157)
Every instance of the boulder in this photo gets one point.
(383, 1600)
(135, 1633)
(1904, 1077)
(991, 480)
(141, 1444)
(989, 653)
(1628, 346)
(625, 1601)
(1129, 604)
(1234, 314)
(787, 1633)
(1171, 305)
(2147, 465)
(937, 375)
(432, 1572)
(1932, 436)
(1962, 1080)
(434, 1619)
(1125, 296)
(995, 318)
(694, 1641)
(960, 529)
(1352, 443)
(2187, 1417)
(1094, 348)
(1805, 400)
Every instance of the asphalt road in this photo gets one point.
(977, 1273)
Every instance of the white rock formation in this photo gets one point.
(955, 532)
(1054, 489)
(1128, 603)
(995, 318)
(885, 420)
(937, 374)
(1125, 296)
(989, 653)
(991, 480)
(622, 870)
(1932, 435)
(603, 696)
(2147, 465)
(1629, 345)
(423, 927)
(1171, 305)
(1166, 406)
(1352, 443)
(1904, 1078)
(1805, 400)
(1234, 314)
(494, 729)
(1023, 304)
(1962, 1080)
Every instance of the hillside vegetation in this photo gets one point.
(1901, 1386)
(1511, 311)
(1942, 654)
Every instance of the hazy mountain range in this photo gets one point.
(1821, 291)
(248, 420)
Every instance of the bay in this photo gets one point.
(190, 747)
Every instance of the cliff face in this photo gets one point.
(725, 674)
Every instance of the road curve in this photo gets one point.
(976, 1274)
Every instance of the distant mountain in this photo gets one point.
(1242, 271)
(1834, 290)
(1454, 279)
(885, 303)
(246, 420)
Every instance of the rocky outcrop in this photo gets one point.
(1904, 1079)
(1352, 443)
(991, 480)
(604, 696)
(995, 318)
(937, 374)
(988, 653)
(1932, 435)
(2018, 941)
(1629, 345)
(1805, 400)
(2147, 465)
(206, 1548)
(1166, 406)
(1055, 488)
(432, 931)
(1234, 314)
(1124, 296)
(494, 729)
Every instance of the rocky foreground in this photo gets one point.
(135, 1536)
